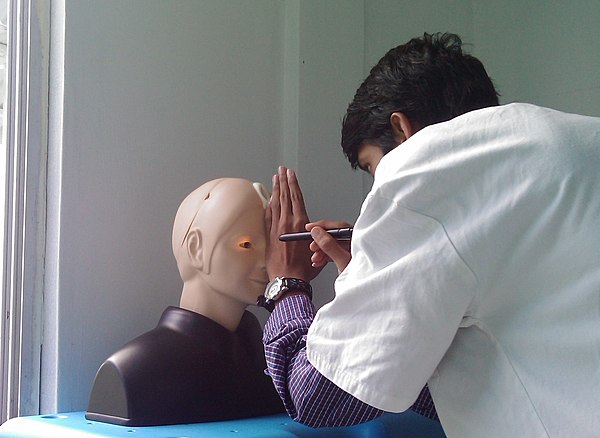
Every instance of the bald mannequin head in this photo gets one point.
(219, 245)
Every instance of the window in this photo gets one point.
(22, 197)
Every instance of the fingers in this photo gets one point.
(274, 207)
(284, 190)
(330, 248)
(291, 208)
(319, 259)
(272, 204)
(297, 200)
(327, 224)
(286, 214)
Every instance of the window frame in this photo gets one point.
(24, 201)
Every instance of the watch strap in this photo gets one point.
(288, 284)
(297, 285)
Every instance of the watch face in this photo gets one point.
(273, 288)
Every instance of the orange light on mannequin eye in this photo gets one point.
(245, 242)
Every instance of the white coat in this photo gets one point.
(476, 269)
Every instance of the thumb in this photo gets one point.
(340, 256)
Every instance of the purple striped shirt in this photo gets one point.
(308, 396)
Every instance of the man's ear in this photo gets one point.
(195, 249)
(402, 127)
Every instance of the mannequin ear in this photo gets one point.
(402, 127)
(195, 249)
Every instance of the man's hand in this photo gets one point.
(325, 248)
(286, 213)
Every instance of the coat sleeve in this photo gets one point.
(397, 307)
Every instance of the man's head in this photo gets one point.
(219, 237)
(427, 80)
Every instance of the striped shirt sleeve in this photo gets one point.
(309, 397)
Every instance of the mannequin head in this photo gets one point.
(219, 245)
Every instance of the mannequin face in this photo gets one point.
(219, 244)
(238, 258)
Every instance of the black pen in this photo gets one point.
(337, 233)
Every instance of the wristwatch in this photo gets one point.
(280, 285)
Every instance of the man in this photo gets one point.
(204, 361)
(475, 264)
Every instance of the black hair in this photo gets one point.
(429, 79)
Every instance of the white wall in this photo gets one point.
(537, 51)
(543, 52)
(151, 98)
(331, 65)
(158, 97)
(389, 23)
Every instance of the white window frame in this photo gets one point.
(24, 202)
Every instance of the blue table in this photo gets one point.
(74, 424)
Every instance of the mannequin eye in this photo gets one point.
(245, 244)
